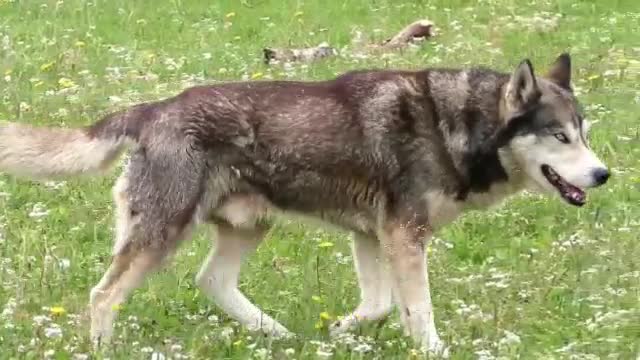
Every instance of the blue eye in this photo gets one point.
(561, 137)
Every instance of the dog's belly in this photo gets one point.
(249, 210)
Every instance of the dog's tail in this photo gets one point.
(50, 152)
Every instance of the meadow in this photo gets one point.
(532, 279)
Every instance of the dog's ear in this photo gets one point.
(560, 72)
(522, 90)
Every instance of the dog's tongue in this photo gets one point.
(574, 194)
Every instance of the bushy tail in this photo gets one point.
(48, 152)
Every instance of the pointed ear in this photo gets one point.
(522, 90)
(560, 72)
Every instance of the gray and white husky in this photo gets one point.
(390, 156)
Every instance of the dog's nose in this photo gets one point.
(601, 176)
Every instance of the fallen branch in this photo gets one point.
(412, 33)
(302, 55)
(416, 31)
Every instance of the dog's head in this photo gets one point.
(548, 134)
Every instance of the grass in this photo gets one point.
(533, 279)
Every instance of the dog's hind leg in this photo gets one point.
(218, 278)
(375, 285)
(126, 272)
(152, 215)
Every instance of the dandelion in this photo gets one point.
(66, 83)
(47, 66)
(57, 310)
(325, 316)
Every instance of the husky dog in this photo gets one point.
(390, 156)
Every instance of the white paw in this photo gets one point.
(343, 325)
(274, 330)
(100, 338)
(436, 347)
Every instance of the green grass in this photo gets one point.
(566, 281)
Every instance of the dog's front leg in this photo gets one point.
(403, 245)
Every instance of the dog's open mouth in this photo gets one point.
(571, 193)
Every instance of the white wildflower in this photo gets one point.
(157, 356)
(509, 339)
(290, 352)
(362, 348)
(261, 354)
(64, 263)
(41, 319)
(226, 333)
(38, 211)
(53, 332)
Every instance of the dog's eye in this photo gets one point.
(562, 138)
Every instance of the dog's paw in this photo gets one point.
(437, 347)
(342, 326)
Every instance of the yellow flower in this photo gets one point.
(230, 15)
(414, 354)
(325, 244)
(257, 75)
(57, 310)
(80, 43)
(47, 66)
(325, 316)
(66, 83)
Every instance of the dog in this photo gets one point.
(389, 155)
